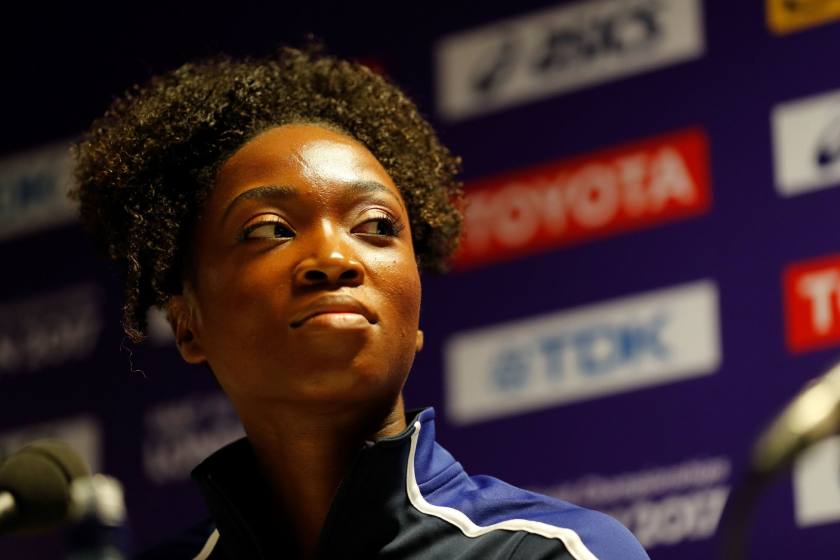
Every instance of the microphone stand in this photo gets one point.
(811, 416)
(737, 515)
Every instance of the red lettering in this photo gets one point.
(572, 201)
(812, 303)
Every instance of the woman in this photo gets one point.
(280, 210)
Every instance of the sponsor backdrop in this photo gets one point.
(651, 269)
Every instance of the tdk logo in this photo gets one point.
(644, 340)
(562, 49)
(593, 351)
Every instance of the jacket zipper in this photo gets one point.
(337, 501)
(232, 507)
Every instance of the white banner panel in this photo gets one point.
(816, 484)
(33, 191)
(583, 353)
(562, 49)
(83, 433)
(806, 144)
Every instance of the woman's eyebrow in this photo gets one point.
(284, 192)
(370, 187)
(274, 192)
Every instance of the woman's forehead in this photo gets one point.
(300, 156)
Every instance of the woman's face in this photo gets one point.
(306, 287)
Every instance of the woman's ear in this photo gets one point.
(181, 320)
(419, 344)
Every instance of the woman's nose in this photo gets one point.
(335, 268)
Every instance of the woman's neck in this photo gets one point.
(303, 455)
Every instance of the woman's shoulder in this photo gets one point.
(491, 504)
(481, 504)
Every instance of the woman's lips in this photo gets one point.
(336, 320)
(334, 311)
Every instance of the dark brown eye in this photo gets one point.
(268, 229)
(382, 225)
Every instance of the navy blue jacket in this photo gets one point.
(401, 498)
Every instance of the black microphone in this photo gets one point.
(35, 486)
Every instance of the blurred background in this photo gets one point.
(651, 268)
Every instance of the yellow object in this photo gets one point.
(786, 16)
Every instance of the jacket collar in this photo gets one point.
(236, 494)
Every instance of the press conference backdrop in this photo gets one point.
(651, 269)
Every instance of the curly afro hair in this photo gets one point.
(146, 168)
